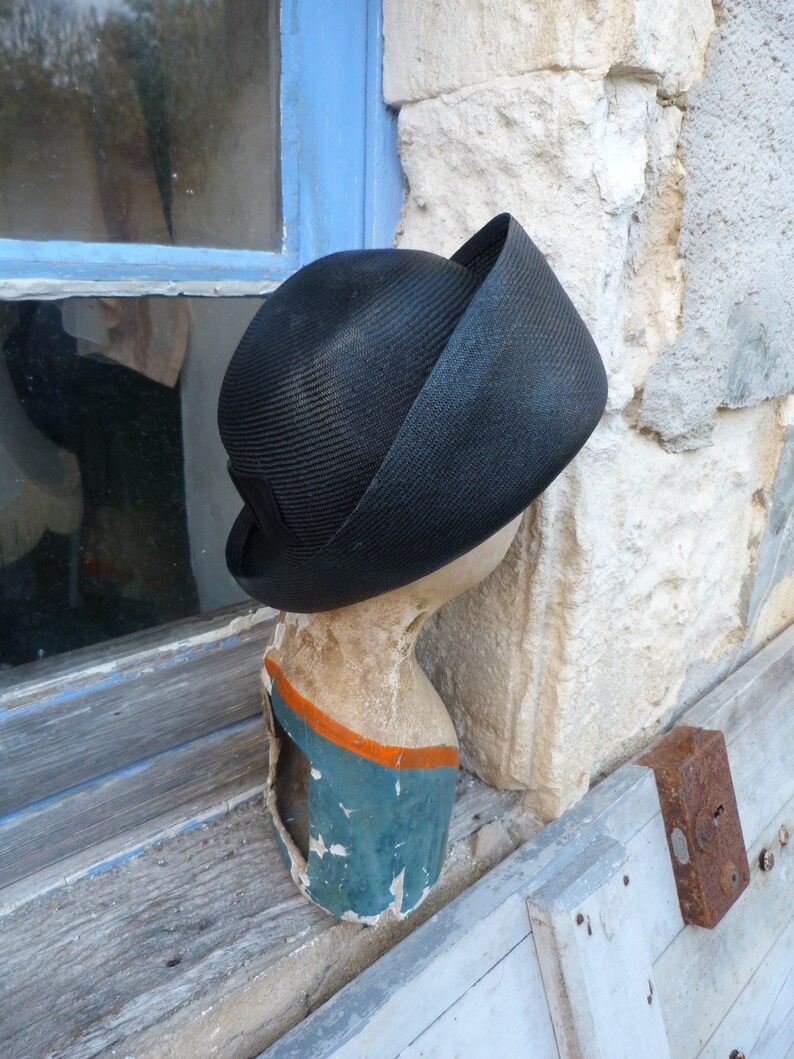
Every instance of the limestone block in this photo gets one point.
(647, 571)
(590, 168)
(437, 46)
(737, 239)
(627, 571)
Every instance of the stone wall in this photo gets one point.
(648, 149)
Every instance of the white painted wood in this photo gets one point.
(506, 1008)
(731, 705)
(594, 959)
(702, 973)
(759, 738)
(761, 1021)
(649, 869)
(254, 976)
(40, 288)
(394, 1001)
(415, 996)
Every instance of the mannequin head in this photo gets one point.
(358, 663)
(356, 666)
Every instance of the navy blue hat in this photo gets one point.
(388, 410)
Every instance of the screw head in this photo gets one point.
(729, 879)
(766, 860)
(736, 1054)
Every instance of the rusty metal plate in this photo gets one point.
(701, 820)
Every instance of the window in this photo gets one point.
(142, 140)
(164, 164)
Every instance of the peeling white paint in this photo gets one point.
(366, 921)
(317, 845)
(296, 621)
(278, 636)
(244, 623)
(316, 774)
(337, 850)
(41, 288)
(345, 810)
(396, 888)
(397, 786)
(267, 683)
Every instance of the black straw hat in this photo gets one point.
(388, 410)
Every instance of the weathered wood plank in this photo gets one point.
(399, 997)
(217, 898)
(80, 719)
(39, 836)
(702, 973)
(402, 993)
(594, 960)
(650, 870)
(71, 671)
(206, 808)
(731, 705)
(761, 1021)
(763, 775)
(507, 1005)
(83, 954)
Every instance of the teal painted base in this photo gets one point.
(377, 835)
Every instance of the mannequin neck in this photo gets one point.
(358, 665)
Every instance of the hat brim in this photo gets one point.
(512, 398)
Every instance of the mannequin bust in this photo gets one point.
(388, 413)
(354, 671)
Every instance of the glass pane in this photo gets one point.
(114, 498)
(140, 121)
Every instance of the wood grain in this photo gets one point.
(57, 828)
(488, 1013)
(702, 973)
(594, 960)
(761, 1021)
(81, 716)
(415, 989)
(187, 926)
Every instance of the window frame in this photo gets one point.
(171, 754)
(334, 195)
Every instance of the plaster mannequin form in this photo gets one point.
(369, 699)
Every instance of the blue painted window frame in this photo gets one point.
(341, 186)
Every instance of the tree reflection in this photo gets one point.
(142, 83)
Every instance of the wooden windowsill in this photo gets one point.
(202, 940)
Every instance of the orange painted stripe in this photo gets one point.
(394, 757)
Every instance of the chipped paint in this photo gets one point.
(317, 845)
(376, 840)
(236, 627)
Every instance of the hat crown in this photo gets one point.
(326, 373)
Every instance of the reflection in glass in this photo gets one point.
(114, 499)
(145, 121)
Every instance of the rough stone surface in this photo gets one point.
(738, 232)
(662, 557)
(436, 46)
